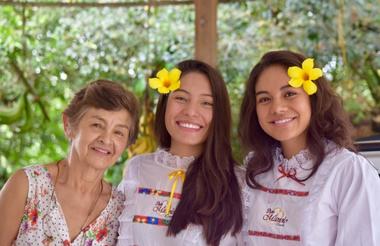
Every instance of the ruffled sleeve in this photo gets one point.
(128, 186)
(351, 188)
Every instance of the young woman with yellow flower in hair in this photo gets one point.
(305, 183)
(187, 192)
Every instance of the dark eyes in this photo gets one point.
(119, 133)
(96, 125)
(290, 94)
(209, 104)
(180, 98)
(263, 99)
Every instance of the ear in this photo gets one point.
(67, 127)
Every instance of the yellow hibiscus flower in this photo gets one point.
(305, 76)
(166, 81)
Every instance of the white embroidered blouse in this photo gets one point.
(147, 187)
(339, 205)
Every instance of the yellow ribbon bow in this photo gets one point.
(176, 175)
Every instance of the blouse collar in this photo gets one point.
(302, 160)
(166, 158)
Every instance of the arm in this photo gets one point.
(12, 202)
(358, 203)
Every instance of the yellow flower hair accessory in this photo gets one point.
(166, 81)
(305, 76)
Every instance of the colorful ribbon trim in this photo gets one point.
(150, 220)
(155, 192)
(176, 175)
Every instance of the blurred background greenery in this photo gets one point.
(46, 54)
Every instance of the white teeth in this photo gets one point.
(102, 151)
(282, 121)
(189, 125)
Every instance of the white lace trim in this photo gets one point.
(248, 157)
(297, 161)
(166, 158)
(246, 200)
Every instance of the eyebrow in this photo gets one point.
(185, 91)
(265, 92)
(104, 121)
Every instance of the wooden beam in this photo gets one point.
(96, 4)
(71, 4)
(206, 31)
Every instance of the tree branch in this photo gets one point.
(21, 76)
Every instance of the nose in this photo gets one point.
(278, 106)
(191, 109)
(105, 138)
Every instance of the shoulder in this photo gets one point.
(117, 196)
(139, 159)
(19, 179)
(348, 169)
(16, 188)
(344, 159)
(133, 164)
(248, 157)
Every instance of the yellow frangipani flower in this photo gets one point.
(305, 76)
(166, 81)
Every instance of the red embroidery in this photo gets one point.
(275, 236)
(285, 192)
(290, 173)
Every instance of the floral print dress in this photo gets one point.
(43, 222)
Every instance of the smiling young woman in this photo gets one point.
(187, 192)
(305, 183)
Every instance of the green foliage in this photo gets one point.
(49, 53)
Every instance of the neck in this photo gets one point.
(291, 148)
(80, 177)
(183, 151)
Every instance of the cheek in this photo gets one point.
(260, 113)
(121, 146)
(208, 115)
(306, 111)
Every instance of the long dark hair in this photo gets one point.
(211, 194)
(328, 119)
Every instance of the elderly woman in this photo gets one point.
(68, 202)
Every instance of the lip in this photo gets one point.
(101, 150)
(282, 121)
(191, 126)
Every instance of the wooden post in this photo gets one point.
(206, 31)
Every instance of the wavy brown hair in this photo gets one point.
(211, 194)
(108, 95)
(328, 119)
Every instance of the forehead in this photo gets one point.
(196, 83)
(273, 77)
(121, 116)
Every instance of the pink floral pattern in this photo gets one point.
(43, 222)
